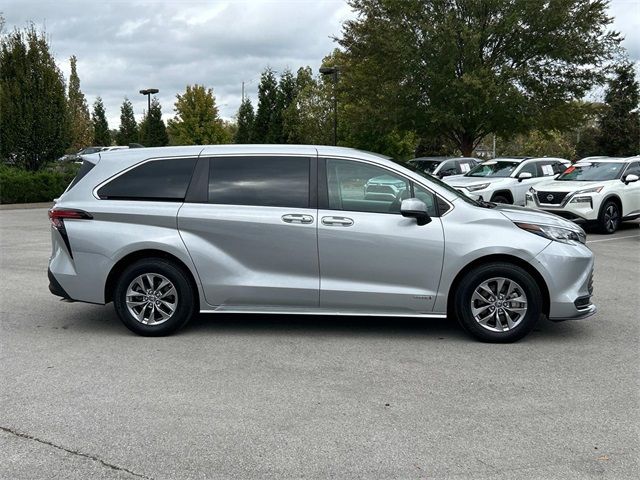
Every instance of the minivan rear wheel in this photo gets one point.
(153, 297)
(498, 302)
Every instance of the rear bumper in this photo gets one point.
(55, 287)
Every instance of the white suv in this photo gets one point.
(598, 190)
(506, 180)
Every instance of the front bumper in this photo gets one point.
(568, 273)
(583, 212)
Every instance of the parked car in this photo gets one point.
(600, 191)
(506, 180)
(444, 166)
(167, 232)
(75, 157)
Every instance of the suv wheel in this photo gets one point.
(153, 297)
(499, 198)
(609, 218)
(498, 302)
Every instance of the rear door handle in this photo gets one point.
(337, 221)
(297, 218)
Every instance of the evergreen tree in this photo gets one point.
(101, 134)
(34, 124)
(128, 131)
(79, 118)
(619, 124)
(153, 132)
(267, 105)
(245, 120)
(196, 121)
(285, 97)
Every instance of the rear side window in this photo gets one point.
(158, 180)
(84, 169)
(260, 181)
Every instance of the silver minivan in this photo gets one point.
(167, 232)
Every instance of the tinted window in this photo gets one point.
(84, 169)
(159, 180)
(260, 181)
(360, 187)
(634, 169)
(428, 198)
(529, 168)
(450, 167)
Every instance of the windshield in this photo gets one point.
(440, 183)
(427, 166)
(593, 171)
(493, 169)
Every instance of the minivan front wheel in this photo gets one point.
(498, 302)
(153, 297)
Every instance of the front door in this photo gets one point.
(371, 258)
(254, 243)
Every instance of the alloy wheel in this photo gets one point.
(499, 304)
(151, 299)
(611, 218)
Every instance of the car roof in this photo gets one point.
(608, 159)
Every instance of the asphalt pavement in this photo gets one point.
(260, 396)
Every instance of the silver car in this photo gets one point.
(168, 232)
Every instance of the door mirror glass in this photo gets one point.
(415, 208)
(524, 176)
(631, 178)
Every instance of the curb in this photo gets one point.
(24, 206)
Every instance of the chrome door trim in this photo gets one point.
(332, 221)
(297, 218)
(224, 309)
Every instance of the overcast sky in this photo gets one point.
(124, 46)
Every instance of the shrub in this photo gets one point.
(21, 186)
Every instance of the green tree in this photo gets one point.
(539, 144)
(619, 124)
(153, 132)
(464, 68)
(34, 127)
(245, 118)
(128, 131)
(267, 106)
(196, 121)
(101, 133)
(79, 118)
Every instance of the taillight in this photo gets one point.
(57, 217)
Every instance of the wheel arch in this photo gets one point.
(503, 258)
(611, 197)
(132, 257)
(504, 193)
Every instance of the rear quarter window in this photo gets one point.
(157, 180)
(84, 169)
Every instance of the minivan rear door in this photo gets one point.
(253, 235)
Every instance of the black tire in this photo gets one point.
(475, 278)
(500, 198)
(185, 298)
(609, 217)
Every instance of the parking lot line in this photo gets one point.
(610, 239)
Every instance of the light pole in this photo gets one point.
(333, 71)
(148, 92)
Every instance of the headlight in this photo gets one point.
(582, 200)
(559, 234)
(481, 186)
(589, 190)
(532, 191)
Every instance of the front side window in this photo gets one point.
(360, 187)
(634, 169)
(529, 168)
(157, 180)
(260, 181)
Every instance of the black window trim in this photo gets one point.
(95, 190)
(323, 187)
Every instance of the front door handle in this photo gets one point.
(337, 221)
(297, 218)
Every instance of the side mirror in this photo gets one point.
(632, 177)
(414, 208)
(524, 176)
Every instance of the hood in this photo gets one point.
(463, 180)
(567, 185)
(530, 215)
